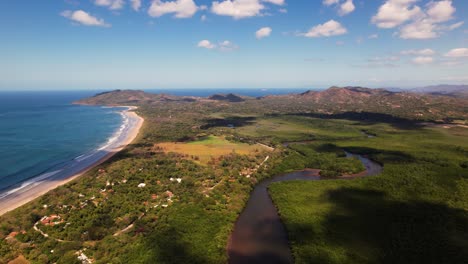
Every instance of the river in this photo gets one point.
(259, 235)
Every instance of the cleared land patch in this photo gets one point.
(209, 147)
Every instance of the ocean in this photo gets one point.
(42, 132)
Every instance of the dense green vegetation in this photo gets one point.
(108, 217)
(414, 212)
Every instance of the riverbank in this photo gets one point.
(38, 186)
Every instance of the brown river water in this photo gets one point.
(259, 236)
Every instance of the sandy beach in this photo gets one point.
(37, 186)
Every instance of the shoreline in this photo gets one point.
(40, 185)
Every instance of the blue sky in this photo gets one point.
(141, 44)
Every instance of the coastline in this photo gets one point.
(42, 184)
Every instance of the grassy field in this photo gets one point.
(416, 211)
(208, 148)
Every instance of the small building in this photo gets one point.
(169, 194)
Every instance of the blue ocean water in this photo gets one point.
(42, 130)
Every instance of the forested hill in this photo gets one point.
(335, 100)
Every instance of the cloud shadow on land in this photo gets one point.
(368, 118)
(367, 223)
(228, 121)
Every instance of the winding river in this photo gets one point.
(259, 236)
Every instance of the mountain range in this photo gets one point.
(411, 105)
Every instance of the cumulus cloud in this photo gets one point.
(421, 52)
(180, 8)
(225, 45)
(84, 18)
(395, 12)
(415, 22)
(440, 11)
(263, 32)
(344, 6)
(111, 4)
(136, 4)
(241, 8)
(328, 29)
(421, 29)
(206, 44)
(422, 60)
(457, 53)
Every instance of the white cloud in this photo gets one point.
(421, 52)
(395, 12)
(136, 4)
(330, 2)
(457, 53)
(84, 18)
(328, 29)
(422, 24)
(237, 8)
(373, 36)
(222, 46)
(422, 60)
(111, 4)
(421, 29)
(227, 46)
(346, 8)
(456, 25)
(283, 10)
(440, 11)
(206, 44)
(203, 18)
(180, 8)
(241, 8)
(276, 2)
(263, 32)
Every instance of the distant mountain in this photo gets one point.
(332, 101)
(340, 95)
(130, 97)
(444, 89)
(401, 104)
(229, 97)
